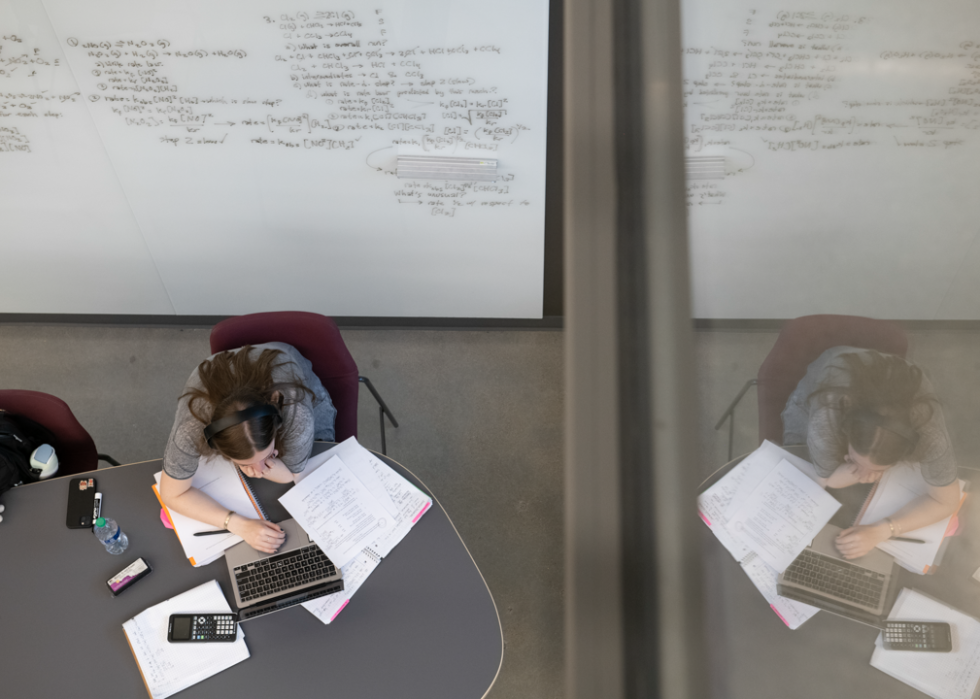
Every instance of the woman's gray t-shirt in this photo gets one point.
(305, 418)
(818, 425)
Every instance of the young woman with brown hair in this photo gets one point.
(860, 413)
(260, 407)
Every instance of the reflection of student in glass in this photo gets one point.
(860, 413)
(259, 406)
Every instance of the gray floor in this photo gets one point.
(480, 416)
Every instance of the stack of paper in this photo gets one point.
(897, 487)
(952, 675)
(356, 509)
(765, 511)
(218, 478)
(168, 668)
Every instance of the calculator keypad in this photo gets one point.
(213, 627)
(908, 635)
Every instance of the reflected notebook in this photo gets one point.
(862, 589)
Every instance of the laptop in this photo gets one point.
(863, 589)
(297, 573)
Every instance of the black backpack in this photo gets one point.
(19, 437)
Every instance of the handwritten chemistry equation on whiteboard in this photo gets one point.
(354, 77)
(20, 65)
(809, 80)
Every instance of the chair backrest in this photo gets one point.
(317, 338)
(74, 446)
(802, 340)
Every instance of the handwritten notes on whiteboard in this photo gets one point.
(849, 131)
(220, 128)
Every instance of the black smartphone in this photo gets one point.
(81, 503)
(202, 628)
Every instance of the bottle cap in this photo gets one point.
(100, 522)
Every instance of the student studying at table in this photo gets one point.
(860, 413)
(260, 407)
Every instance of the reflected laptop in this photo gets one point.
(297, 573)
(863, 589)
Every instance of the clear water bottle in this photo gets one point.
(111, 536)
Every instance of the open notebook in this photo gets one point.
(168, 668)
(220, 479)
(897, 487)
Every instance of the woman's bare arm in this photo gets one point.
(936, 505)
(180, 496)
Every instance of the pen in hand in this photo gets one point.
(218, 531)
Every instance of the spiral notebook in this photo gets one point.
(224, 482)
(897, 487)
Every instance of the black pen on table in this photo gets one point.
(907, 540)
(225, 531)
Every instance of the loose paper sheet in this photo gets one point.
(782, 515)
(764, 577)
(355, 573)
(400, 498)
(402, 501)
(338, 512)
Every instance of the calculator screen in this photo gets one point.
(182, 628)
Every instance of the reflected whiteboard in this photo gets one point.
(850, 134)
(213, 157)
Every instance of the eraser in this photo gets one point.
(137, 570)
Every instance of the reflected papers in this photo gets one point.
(782, 515)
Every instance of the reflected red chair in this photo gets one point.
(73, 444)
(318, 339)
(801, 341)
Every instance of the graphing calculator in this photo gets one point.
(931, 636)
(202, 628)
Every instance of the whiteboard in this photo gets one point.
(849, 133)
(220, 157)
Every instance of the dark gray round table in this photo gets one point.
(423, 625)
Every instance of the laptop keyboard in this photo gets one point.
(835, 577)
(283, 572)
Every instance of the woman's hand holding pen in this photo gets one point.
(857, 541)
(260, 534)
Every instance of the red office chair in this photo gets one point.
(800, 341)
(74, 446)
(318, 339)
